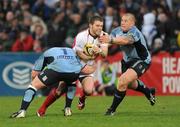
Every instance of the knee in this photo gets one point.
(34, 74)
(133, 85)
(88, 91)
(123, 84)
(57, 92)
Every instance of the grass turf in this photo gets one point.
(133, 112)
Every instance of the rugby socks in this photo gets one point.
(118, 97)
(81, 93)
(143, 89)
(82, 97)
(51, 98)
(28, 97)
(70, 95)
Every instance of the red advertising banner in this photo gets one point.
(163, 74)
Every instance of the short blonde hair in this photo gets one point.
(130, 16)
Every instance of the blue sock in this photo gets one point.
(70, 95)
(28, 97)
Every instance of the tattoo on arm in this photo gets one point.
(130, 39)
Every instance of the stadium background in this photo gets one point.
(49, 23)
(163, 73)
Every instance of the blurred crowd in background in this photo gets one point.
(35, 25)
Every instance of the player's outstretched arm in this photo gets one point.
(121, 40)
(89, 69)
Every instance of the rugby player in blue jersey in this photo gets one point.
(136, 60)
(62, 64)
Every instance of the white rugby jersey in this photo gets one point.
(82, 39)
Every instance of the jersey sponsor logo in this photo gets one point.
(65, 57)
(17, 74)
(44, 78)
(140, 66)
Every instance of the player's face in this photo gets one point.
(96, 28)
(126, 23)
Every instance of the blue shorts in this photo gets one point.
(139, 66)
(50, 77)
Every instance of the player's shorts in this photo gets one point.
(81, 77)
(139, 66)
(50, 77)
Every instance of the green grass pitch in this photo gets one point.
(133, 112)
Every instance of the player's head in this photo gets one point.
(96, 25)
(127, 21)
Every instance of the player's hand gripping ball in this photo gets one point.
(88, 49)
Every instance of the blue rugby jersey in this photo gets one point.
(137, 50)
(59, 59)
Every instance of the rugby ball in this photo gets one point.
(88, 49)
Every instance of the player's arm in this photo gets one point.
(101, 49)
(83, 56)
(104, 48)
(79, 44)
(39, 65)
(121, 40)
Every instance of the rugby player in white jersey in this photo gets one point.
(88, 36)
